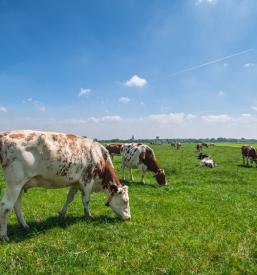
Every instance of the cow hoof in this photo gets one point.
(25, 228)
(88, 218)
(62, 215)
(4, 238)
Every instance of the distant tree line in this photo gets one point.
(183, 140)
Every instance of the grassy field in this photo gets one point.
(204, 221)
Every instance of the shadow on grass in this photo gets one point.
(245, 166)
(133, 183)
(17, 234)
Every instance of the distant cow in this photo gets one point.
(249, 153)
(114, 149)
(206, 160)
(54, 160)
(176, 145)
(199, 146)
(141, 156)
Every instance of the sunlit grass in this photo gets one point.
(204, 221)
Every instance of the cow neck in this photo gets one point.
(148, 159)
(110, 180)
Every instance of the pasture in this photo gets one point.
(204, 221)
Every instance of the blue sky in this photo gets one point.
(113, 68)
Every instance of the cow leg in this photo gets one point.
(122, 170)
(142, 171)
(19, 213)
(72, 192)
(86, 199)
(131, 175)
(10, 197)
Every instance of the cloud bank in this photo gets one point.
(172, 125)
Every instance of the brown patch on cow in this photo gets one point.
(114, 148)
(110, 179)
(71, 137)
(16, 136)
(55, 137)
(148, 159)
(30, 137)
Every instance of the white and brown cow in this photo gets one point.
(141, 156)
(55, 160)
(249, 153)
(114, 149)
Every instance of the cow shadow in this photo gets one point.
(17, 234)
(245, 166)
(134, 183)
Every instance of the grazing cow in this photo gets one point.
(55, 160)
(114, 149)
(176, 145)
(199, 146)
(142, 157)
(249, 152)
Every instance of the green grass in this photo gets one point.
(204, 221)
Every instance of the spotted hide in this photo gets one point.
(55, 160)
(141, 156)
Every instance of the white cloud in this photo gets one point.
(199, 2)
(124, 100)
(3, 109)
(216, 118)
(171, 118)
(249, 65)
(246, 115)
(37, 104)
(225, 65)
(136, 81)
(104, 119)
(254, 108)
(84, 91)
(221, 93)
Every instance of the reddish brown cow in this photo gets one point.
(199, 146)
(114, 149)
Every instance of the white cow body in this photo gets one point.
(55, 160)
(207, 162)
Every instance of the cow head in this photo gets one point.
(202, 156)
(119, 202)
(160, 177)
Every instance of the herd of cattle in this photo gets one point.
(56, 160)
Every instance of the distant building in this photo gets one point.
(157, 140)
